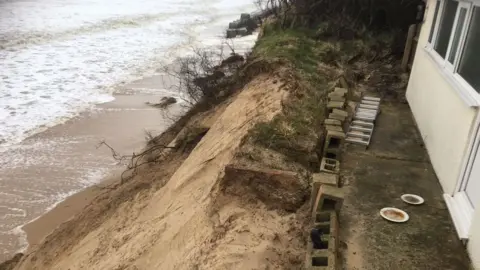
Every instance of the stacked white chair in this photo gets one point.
(361, 128)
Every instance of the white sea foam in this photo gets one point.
(60, 57)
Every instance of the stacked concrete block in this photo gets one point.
(319, 179)
(326, 222)
(343, 82)
(336, 98)
(326, 196)
(333, 142)
(329, 198)
(335, 130)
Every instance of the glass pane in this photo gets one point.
(446, 25)
(457, 34)
(469, 67)
(434, 22)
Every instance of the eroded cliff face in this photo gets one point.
(200, 218)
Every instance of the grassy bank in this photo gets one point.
(310, 62)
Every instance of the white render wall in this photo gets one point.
(444, 119)
(446, 124)
(473, 245)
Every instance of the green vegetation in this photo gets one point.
(294, 132)
(309, 63)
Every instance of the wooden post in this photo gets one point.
(408, 46)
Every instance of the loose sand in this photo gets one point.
(176, 215)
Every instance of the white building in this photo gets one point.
(443, 93)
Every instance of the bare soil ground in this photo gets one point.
(396, 163)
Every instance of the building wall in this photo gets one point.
(445, 122)
(473, 245)
(443, 118)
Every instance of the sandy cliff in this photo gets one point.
(197, 220)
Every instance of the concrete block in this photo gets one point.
(330, 228)
(338, 117)
(231, 33)
(343, 82)
(340, 112)
(327, 222)
(335, 105)
(333, 140)
(340, 90)
(336, 94)
(334, 128)
(337, 98)
(321, 179)
(319, 259)
(325, 179)
(329, 165)
(332, 122)
(328, 199)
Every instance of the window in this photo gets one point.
(456, 35)
(445, 27)
(437, 8)
(469, 67)
(454, 41)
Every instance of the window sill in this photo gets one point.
(461, 212)
(469, 96)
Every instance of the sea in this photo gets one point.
(60, 59)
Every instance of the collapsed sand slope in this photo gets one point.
(189, 224)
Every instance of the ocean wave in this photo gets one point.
(11, 39)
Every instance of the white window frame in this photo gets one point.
(449, 70)
(452, 67)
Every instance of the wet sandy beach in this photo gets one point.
(65, 159)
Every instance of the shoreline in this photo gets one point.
(37, 229)
(65, 158)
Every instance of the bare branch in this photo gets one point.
(135, 161)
